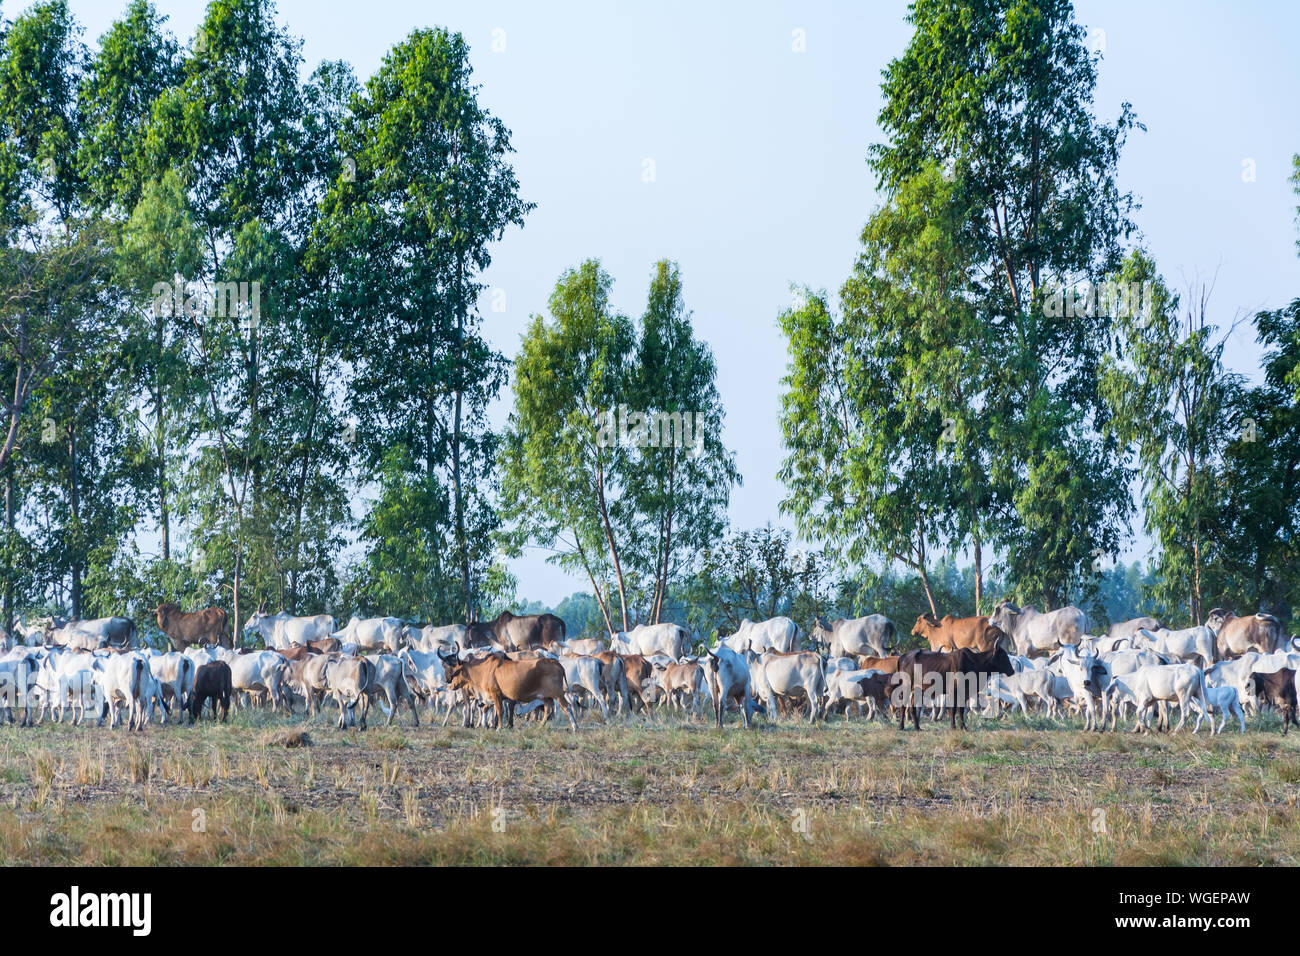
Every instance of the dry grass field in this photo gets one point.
(272, 790)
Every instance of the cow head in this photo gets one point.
(1218, 617)
(924, 624)
(1250, 692)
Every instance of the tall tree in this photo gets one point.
(428, 189)
(684, 475)
(563, 475)
(998, 95)
(882, 410)
(1172, 400)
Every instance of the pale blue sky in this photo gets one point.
(759, 151)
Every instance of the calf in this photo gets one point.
(728, 676)
(637, 670)
(1146, 686)
(349, 678)
(1224, 701)
(505, 683)
(211, 682)
(1276, 689)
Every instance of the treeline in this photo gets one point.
(760, 574)
(240, 336)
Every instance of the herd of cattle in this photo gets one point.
(523, 665)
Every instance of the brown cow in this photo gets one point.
(326, 645)
(1234, 636)
(876, 688)
(927, 676)
(637, 670)
(886, 665)
(295, 652)
(954, 633)
(196, 627)
(1277, 690)
(505, 683)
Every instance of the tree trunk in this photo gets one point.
(9, 529)
(600, 600)
(292, 604)
(609, 538)
(925, 583)
(979, 577)
(74, 509)
(160, 443)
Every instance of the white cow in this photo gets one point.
(100, 632)
(175, 671)
(842, 687)
(727, 674)
(870, 636)
(1234, 673)
(389, 678)
(373, 633)
(1122, 629)
(122, 681)
(773, 675)
(257, 673)
(776, 634)
(1190, 645)
(433, 637)
(281, 631)
(668, 640)
(1035, 633)
(588, 674)
(1018, 688)
(1087, 677)
(1147, 686)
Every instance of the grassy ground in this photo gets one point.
(1010, 791)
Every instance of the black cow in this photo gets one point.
(212, 682)
(1277, 690)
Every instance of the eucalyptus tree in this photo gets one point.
(1172, 402)
(994, 157)
(564, 470)
(683, 474)
(427, 188)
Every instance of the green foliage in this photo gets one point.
(595, 467)
(1172, 402)
(410, 224)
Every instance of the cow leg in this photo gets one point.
(568, 709)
